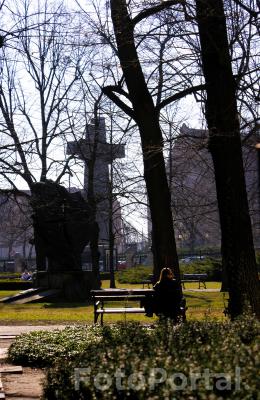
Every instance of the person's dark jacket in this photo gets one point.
(167, 298)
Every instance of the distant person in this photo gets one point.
(168, 297)
(26, 276)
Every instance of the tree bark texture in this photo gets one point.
(92, 201)
(238, 254)
(147, 119)
(111, 255)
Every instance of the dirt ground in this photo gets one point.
(25, 386)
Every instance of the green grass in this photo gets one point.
(6, 293)
(209, 285)
(200, 304)
(189, 285)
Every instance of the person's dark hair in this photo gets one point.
(166, 273)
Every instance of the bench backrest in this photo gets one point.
(121, 292)
(195, 276)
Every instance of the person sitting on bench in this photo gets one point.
(167, 298)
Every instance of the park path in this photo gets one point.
(14, 384)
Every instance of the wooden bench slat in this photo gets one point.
(121, 292)
(120, 310)
(119, 298)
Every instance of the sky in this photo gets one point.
(187, 111)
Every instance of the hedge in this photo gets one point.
(141, 273)
(134, 353)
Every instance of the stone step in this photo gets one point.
(7, 337)
(15, 369)
(20, 295)
(30, 295)
(37, 297)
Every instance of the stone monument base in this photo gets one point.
(74, 285)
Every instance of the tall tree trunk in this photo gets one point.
(111, 254)
(225, 146)
(91, 196)
(147, 119)
(111, 235)
(95, 254)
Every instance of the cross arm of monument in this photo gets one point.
(83, 148)
(109, 91)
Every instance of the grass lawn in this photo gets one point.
(6, 293)
(200, 304)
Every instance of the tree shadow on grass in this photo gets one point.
(66, 304)
(201, 299)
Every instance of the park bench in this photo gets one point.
(101, 298)
(200, 278)
(148, 282)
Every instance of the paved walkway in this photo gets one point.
(14, 330)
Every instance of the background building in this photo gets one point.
(194, 200)
(15, 228)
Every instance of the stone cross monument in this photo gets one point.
(105, 154)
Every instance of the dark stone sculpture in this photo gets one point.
(62, 226)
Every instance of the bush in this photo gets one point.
(135, 351)
(207, 266)
(134, 274)
(42, 348)
(141, 273)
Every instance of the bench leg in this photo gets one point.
(101, 319)
(95, 317)
(202, 283)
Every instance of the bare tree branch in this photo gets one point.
(253, 13)
(180, 95)
(109, 91)
(153, 10)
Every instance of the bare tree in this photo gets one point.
(146, 115)
(225, 147)
(40, 69)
